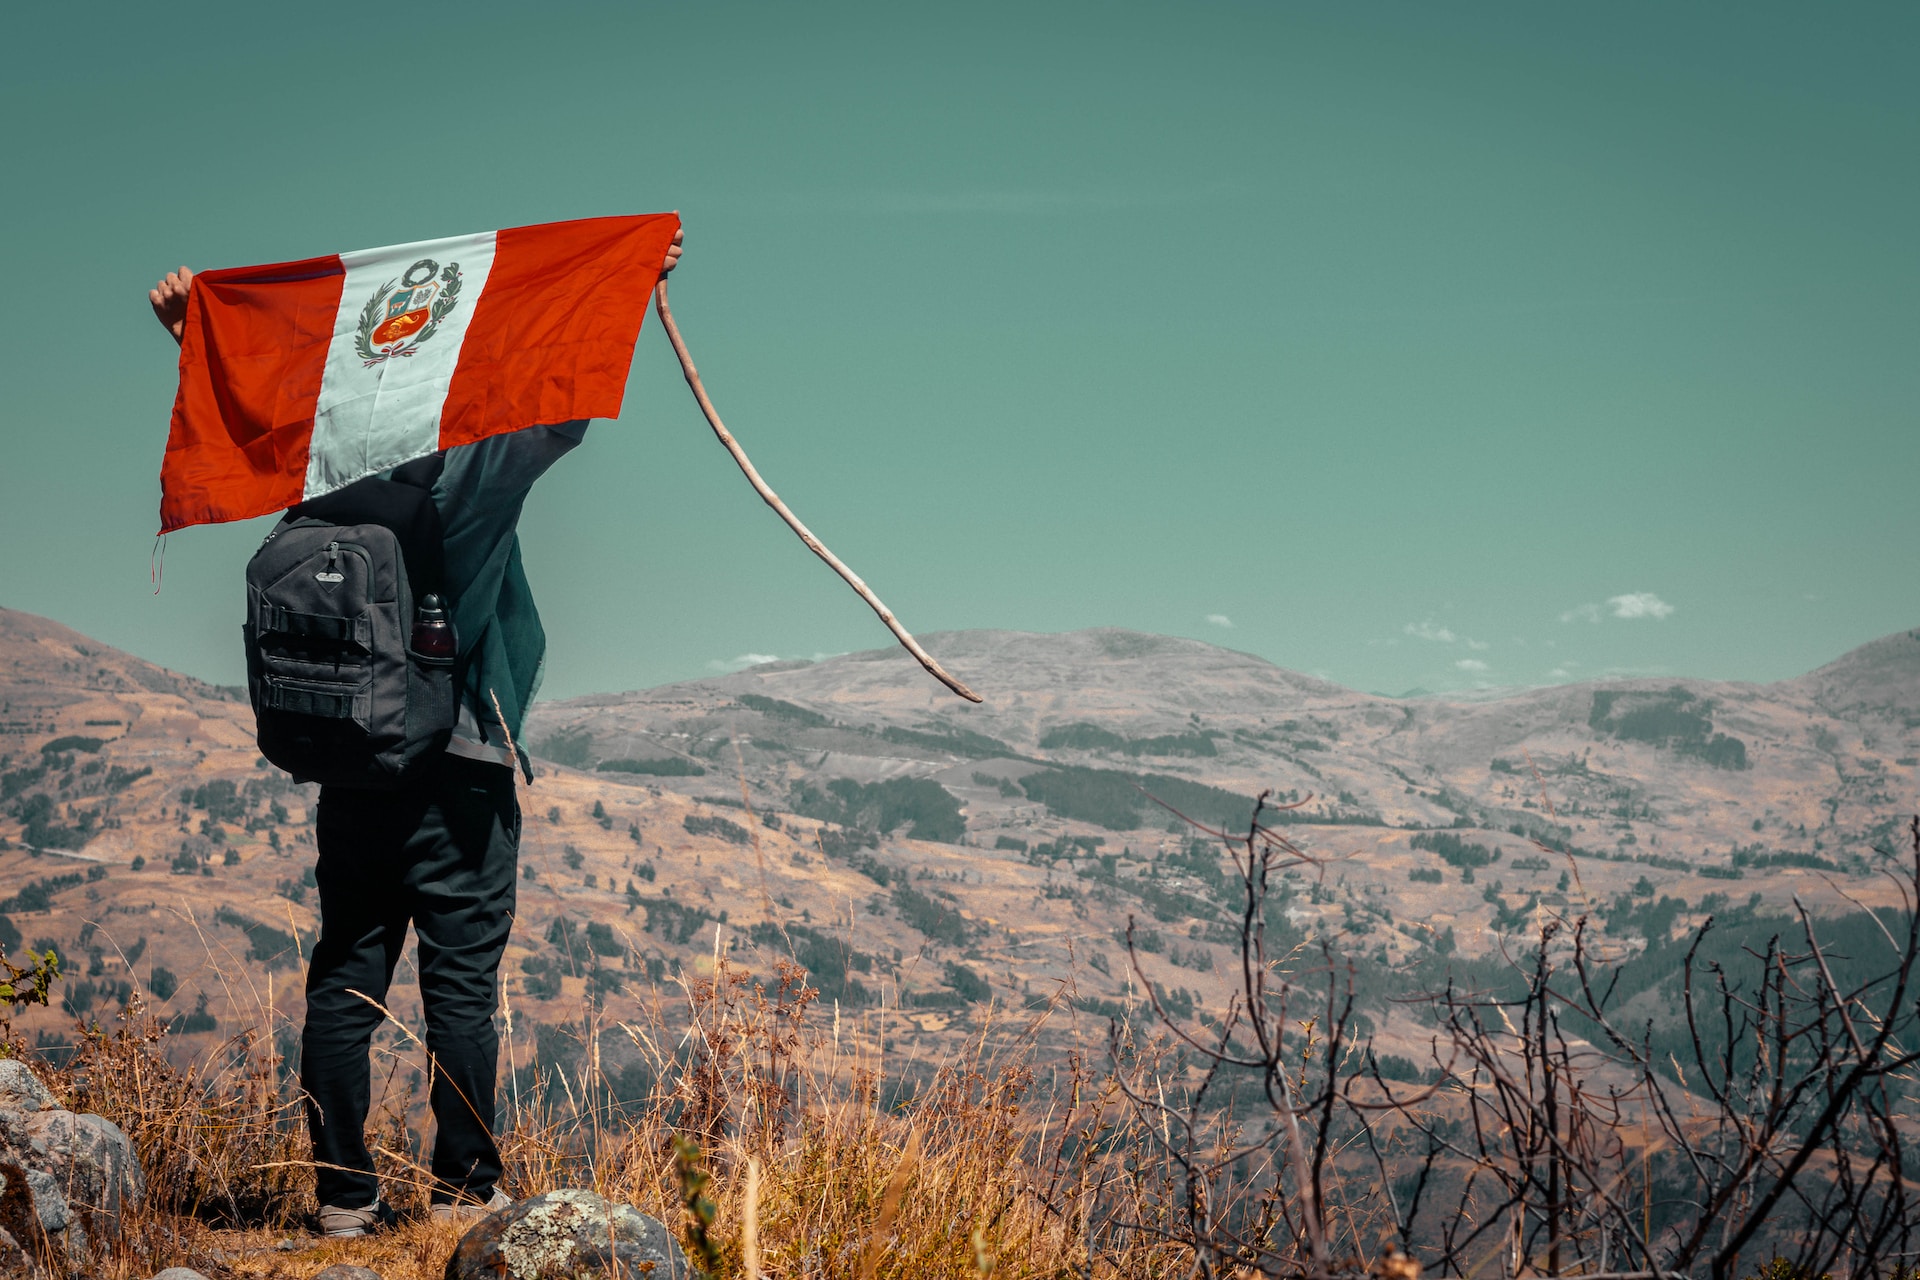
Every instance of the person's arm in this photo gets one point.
(489, 479)
(484, 485)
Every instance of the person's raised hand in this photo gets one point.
(674, 250)
(169, 299)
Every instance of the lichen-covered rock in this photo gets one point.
(79, 1170)
(179, 1273)
(568, 1235)
(346, 1271)
(16, 1261)
(49, 1205)
(92, 1161)
(21, 1090)
(13, 1259)
(24, 1244)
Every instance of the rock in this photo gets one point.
(49, 1205)
(577, 1234)
(21, 1090)
(13, 1259)
(24, 1242)
(93, 1162)
(79, 1170)
(181, 1273)
(34, 1218)
(345, 1271)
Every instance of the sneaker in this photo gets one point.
(468, 1211)
(338, 1223)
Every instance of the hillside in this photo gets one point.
(918, 855)
(1700, 772)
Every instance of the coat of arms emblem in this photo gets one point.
(405, 312)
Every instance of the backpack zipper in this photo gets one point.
(332, 572)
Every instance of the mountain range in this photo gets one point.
(926, 859)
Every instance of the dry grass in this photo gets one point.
(778, 1144)
(978, 1174)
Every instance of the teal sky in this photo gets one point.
(1425, 345)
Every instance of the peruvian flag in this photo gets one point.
(302, 377)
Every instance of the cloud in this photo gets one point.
(1471, 664)
(1220, 620)
(1640, 604)
(1434, 633)
(744, 660)
(1634, 604)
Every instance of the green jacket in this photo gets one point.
(479, 495)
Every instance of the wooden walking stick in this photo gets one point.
(780, 508)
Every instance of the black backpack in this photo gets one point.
(340, 695)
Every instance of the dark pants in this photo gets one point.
(443, 856)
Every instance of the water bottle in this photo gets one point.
(432, 633)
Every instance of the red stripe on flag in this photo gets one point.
(552, 335)
(253, 353)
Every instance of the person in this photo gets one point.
(441, 854)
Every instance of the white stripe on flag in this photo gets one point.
(403, 316)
